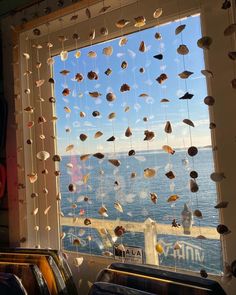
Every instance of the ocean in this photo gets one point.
(106, 184)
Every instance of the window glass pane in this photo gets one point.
(127, 180)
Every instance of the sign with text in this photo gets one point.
(128, 254)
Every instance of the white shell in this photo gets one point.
(64, 55)
(78, 261)
(43, 155)
(157, 13)
(108, 50)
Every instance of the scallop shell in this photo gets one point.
(111, 116)
(217, 176)
(207, 73)
(104, 31)
(114, 162)
(118, 207)
(128, 132)
(140, 21)
(84, 157)
(142, 47)
(179, 29)
(92, 54)
(110, 96)
(230, 30)
(183, 49)
(69, 147)
(95, 94)
(83, 137)
(123, 41)
(209, 100)
(103, 211)
(188, 122)
(193, 186)
(173, 198)
(197, 213)
(204, 42)
(92, 35)
(122, 23)
(168, 128)
(107, 50)
(43, 155)
(64, 55)
(185, 74)
(157, 13)
(149, 172)
(159, 248)
(98, 134)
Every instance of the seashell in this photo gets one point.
(173, 198)
(192, 151)
(107, 50)
(82, 114)
(104, 31)
(126, 109)
(131, 153)
(45, 172)
(188, 122)
(49, 45)
(161, 79)
(92, 35)
(35, 211)
(145, 119)
(119, 231)
(108, 71)
(36, 32)
(233, 83)
(83, 137)
(221, 205)
(159, 248)
(42, 136)
(182, 49)
(128, 132)
(123, 41)
(124, 87)
(140, 21)
(27, 72)
(157, 13)
(52, 99)
(209, 100)
(217, 176)
(69, 147)
(122, 23)
(223, 229)
(158, 36)
(193, 174)
(158, 56)
(185, 74)
(179, 29)
(42, 120)
(64, 55)
(47, 210)
(27, 91)
(79, 77)
(204, 42)
(34, 195)
(76, 242)
(77, 54)
(78, 261)
(177, 246)
(66, 92)
(29, 141)
(170, 175)
(203, 273)
(43, 155)
(124, 65)
(142, 47)
(38, 65)
(75, 36)
(232, 55)
(168, 149)
(56, 158)
(111, 116)
(26, 55)
(99, 155)
(165, 100)
(107, 253)
(149, 172)
(110, 96)
(187, 95)
(212, 125)
(88, 13)
(168, 128)
(32, 177)
(207, 73)
(95, 94)
(142, 70)
(197, 213)
(226, 4)
(30, 124)
(149, 135)
(133, 175)
(51, 80)
(114, 162)
(92, 75)
(84, 157)
(67, 109)
(112, 138)
(201, 237)
(69, 165)
(103, 211)
(57, 173)
(98, 134)
(153, 197)
(104, 9)
(29, 109)
(50, 61)
(62, 38)
(231, 29)
(64, 72)
(72, 187)
(92, 54)
(143, 95)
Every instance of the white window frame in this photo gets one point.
(213, 21)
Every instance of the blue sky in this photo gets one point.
(151, 107)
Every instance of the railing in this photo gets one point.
(149, 227)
